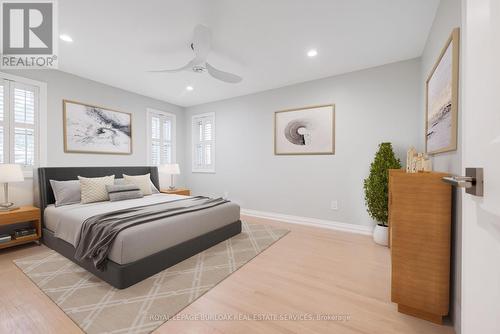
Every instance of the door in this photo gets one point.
(481, 148)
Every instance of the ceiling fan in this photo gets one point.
(201, 48)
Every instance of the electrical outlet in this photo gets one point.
(334, 205)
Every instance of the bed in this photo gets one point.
(139, 251)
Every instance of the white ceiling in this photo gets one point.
(264, 41)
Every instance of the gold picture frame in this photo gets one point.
(331, 151)
(444, 116)
(67, 145)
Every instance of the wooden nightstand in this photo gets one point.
(25, 214)
(178, 191)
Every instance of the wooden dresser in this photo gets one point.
(420, 236)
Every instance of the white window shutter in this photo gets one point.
(19, 123)
(1, 101)
(19, 115)
(2, 124)
(203, 132)
(24, 102)
(161, 137)
(166, 145)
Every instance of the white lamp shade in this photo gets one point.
(11, 173)
(172, 169)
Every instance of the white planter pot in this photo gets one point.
(381, 235)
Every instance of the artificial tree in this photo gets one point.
(376, 185)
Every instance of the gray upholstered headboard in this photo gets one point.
(45, 174)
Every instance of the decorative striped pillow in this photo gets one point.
(121, 192)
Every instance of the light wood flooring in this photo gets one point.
(309, 271)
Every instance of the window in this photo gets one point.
(203, 130)
(19, 123)
(2, 124)
(161, 146)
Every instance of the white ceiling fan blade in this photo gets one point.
(188, 66)
(223, 76)
(202, 39)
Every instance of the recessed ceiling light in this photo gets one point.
(312, 53)
(66, 38)
(189, 88)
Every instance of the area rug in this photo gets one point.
(97, 307)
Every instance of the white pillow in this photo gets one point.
(142, 181)
(94, 189)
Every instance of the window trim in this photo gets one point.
(5, 122)
(41, 127)
(149, 114)
(194, 137)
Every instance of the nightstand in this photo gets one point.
(25, 214)
(178, 191)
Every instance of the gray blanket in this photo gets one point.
(98, 232)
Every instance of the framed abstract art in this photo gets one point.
(442, 100)
(93, 129)
(305, 131)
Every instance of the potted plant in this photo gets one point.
(376, 187)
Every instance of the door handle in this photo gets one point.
(473, 181)
(459, 181)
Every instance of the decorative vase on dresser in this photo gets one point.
(420, 240)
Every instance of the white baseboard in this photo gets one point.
(332, 225)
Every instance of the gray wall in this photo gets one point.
(61, 85)
(372, 106)
(448, 16)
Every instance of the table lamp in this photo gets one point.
(172, 169)
(9, 173)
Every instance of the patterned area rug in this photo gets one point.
(97, 307)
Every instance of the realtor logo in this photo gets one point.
(28, 34)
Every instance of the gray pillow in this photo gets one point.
(121, 192)
(123, 181)
(66, 192)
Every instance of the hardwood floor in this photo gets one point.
(310, 271)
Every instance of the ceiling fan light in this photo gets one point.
(200, 45)
(66, 38)
(312, 53)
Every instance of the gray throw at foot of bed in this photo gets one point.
(98, 232)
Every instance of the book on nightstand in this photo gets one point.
(24, 232)
(5, 238)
